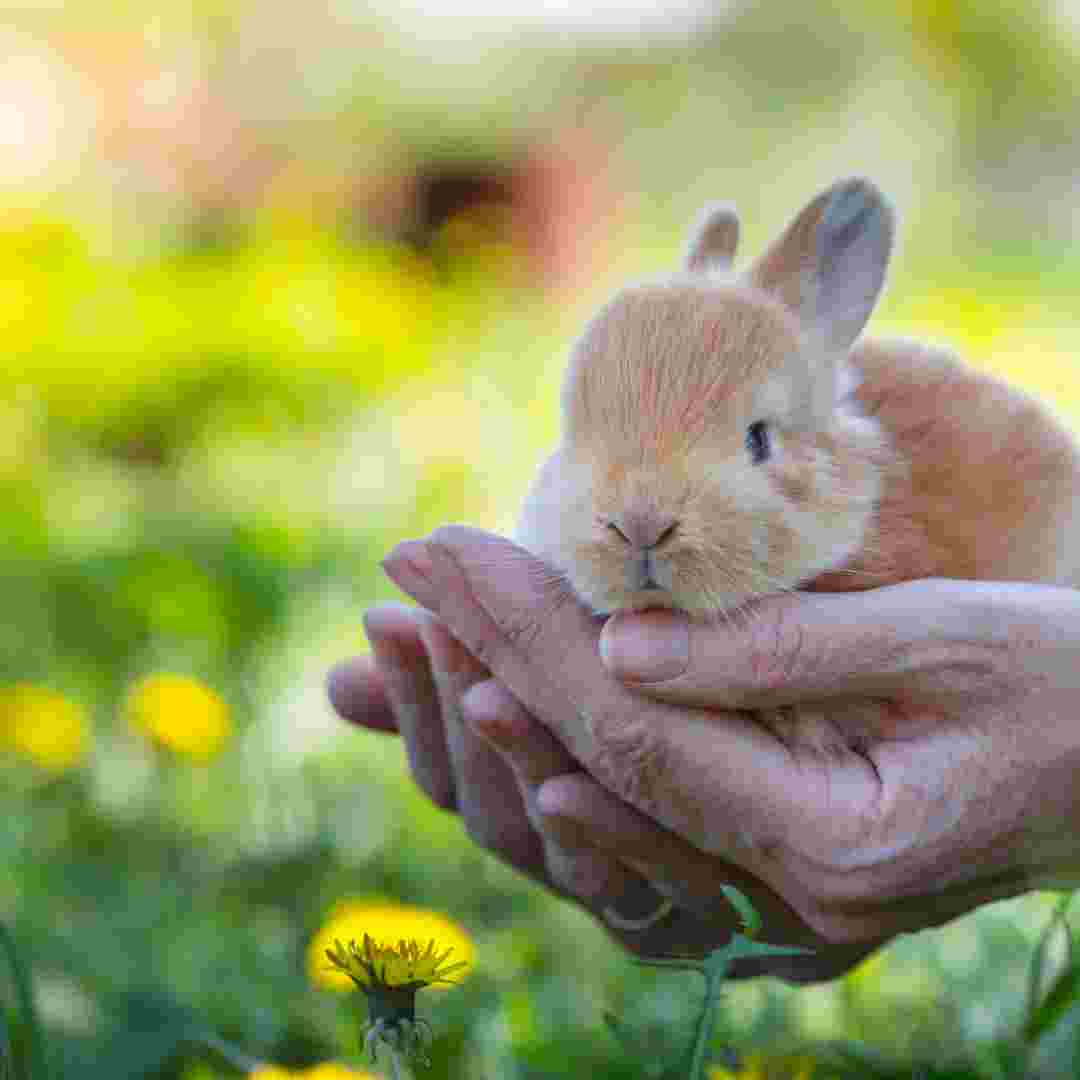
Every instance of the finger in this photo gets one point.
(534, 755)
(527, 746)
(358, 694)
(402, 661)
(694, 880)
(488, 798)
(932, 638)
(722, 781)
(690, 877)
(630, 907)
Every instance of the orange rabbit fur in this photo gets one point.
(726, 437)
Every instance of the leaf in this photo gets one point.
(747, 912)
(740, 947)
(1062, 996)
(34, 1061)
(1053, 956)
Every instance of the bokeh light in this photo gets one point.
(49, 729)
(180, 713)
(327, 1071)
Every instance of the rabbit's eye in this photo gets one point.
(757, 441)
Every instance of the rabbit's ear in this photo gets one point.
(713, 240)
(829, 265)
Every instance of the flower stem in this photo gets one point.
(227, 1052)
(714, 981)
(35, 1054)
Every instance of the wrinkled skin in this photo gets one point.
(947, 780)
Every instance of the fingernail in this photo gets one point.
(482, 719)
(349, 697)
(644, 647)
(391, 661)
(409, 566)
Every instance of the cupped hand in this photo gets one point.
(475, 751)
(937, 773)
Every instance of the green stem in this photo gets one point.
(714, 980)
(35, 1054)
(229, 1053)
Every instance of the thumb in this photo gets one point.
(931, 638)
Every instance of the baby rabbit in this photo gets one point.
(726, 438)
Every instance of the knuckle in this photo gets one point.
(633, 759)
(779, 650)
(522, 627)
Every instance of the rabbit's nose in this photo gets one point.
(644, 529)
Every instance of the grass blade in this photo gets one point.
(35, 1052)
(7, 1054)
(1062, 996)
(1052, 957)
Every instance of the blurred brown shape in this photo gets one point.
(551, 199)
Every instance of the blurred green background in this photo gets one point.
(283, 284)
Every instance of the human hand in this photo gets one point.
(422, 683)
(950, 784)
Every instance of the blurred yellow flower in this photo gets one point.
(354, 920)
(329, 1070)
(44, 726)
(180, 713)
(759, 1067)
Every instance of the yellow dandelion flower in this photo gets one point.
(352, 920)
(330, 1070)
(390, 974)
(405, 966)
(759, 1067)
(44, 726)
(180, 713)
(716, 1072)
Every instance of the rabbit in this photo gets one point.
(727, 435)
